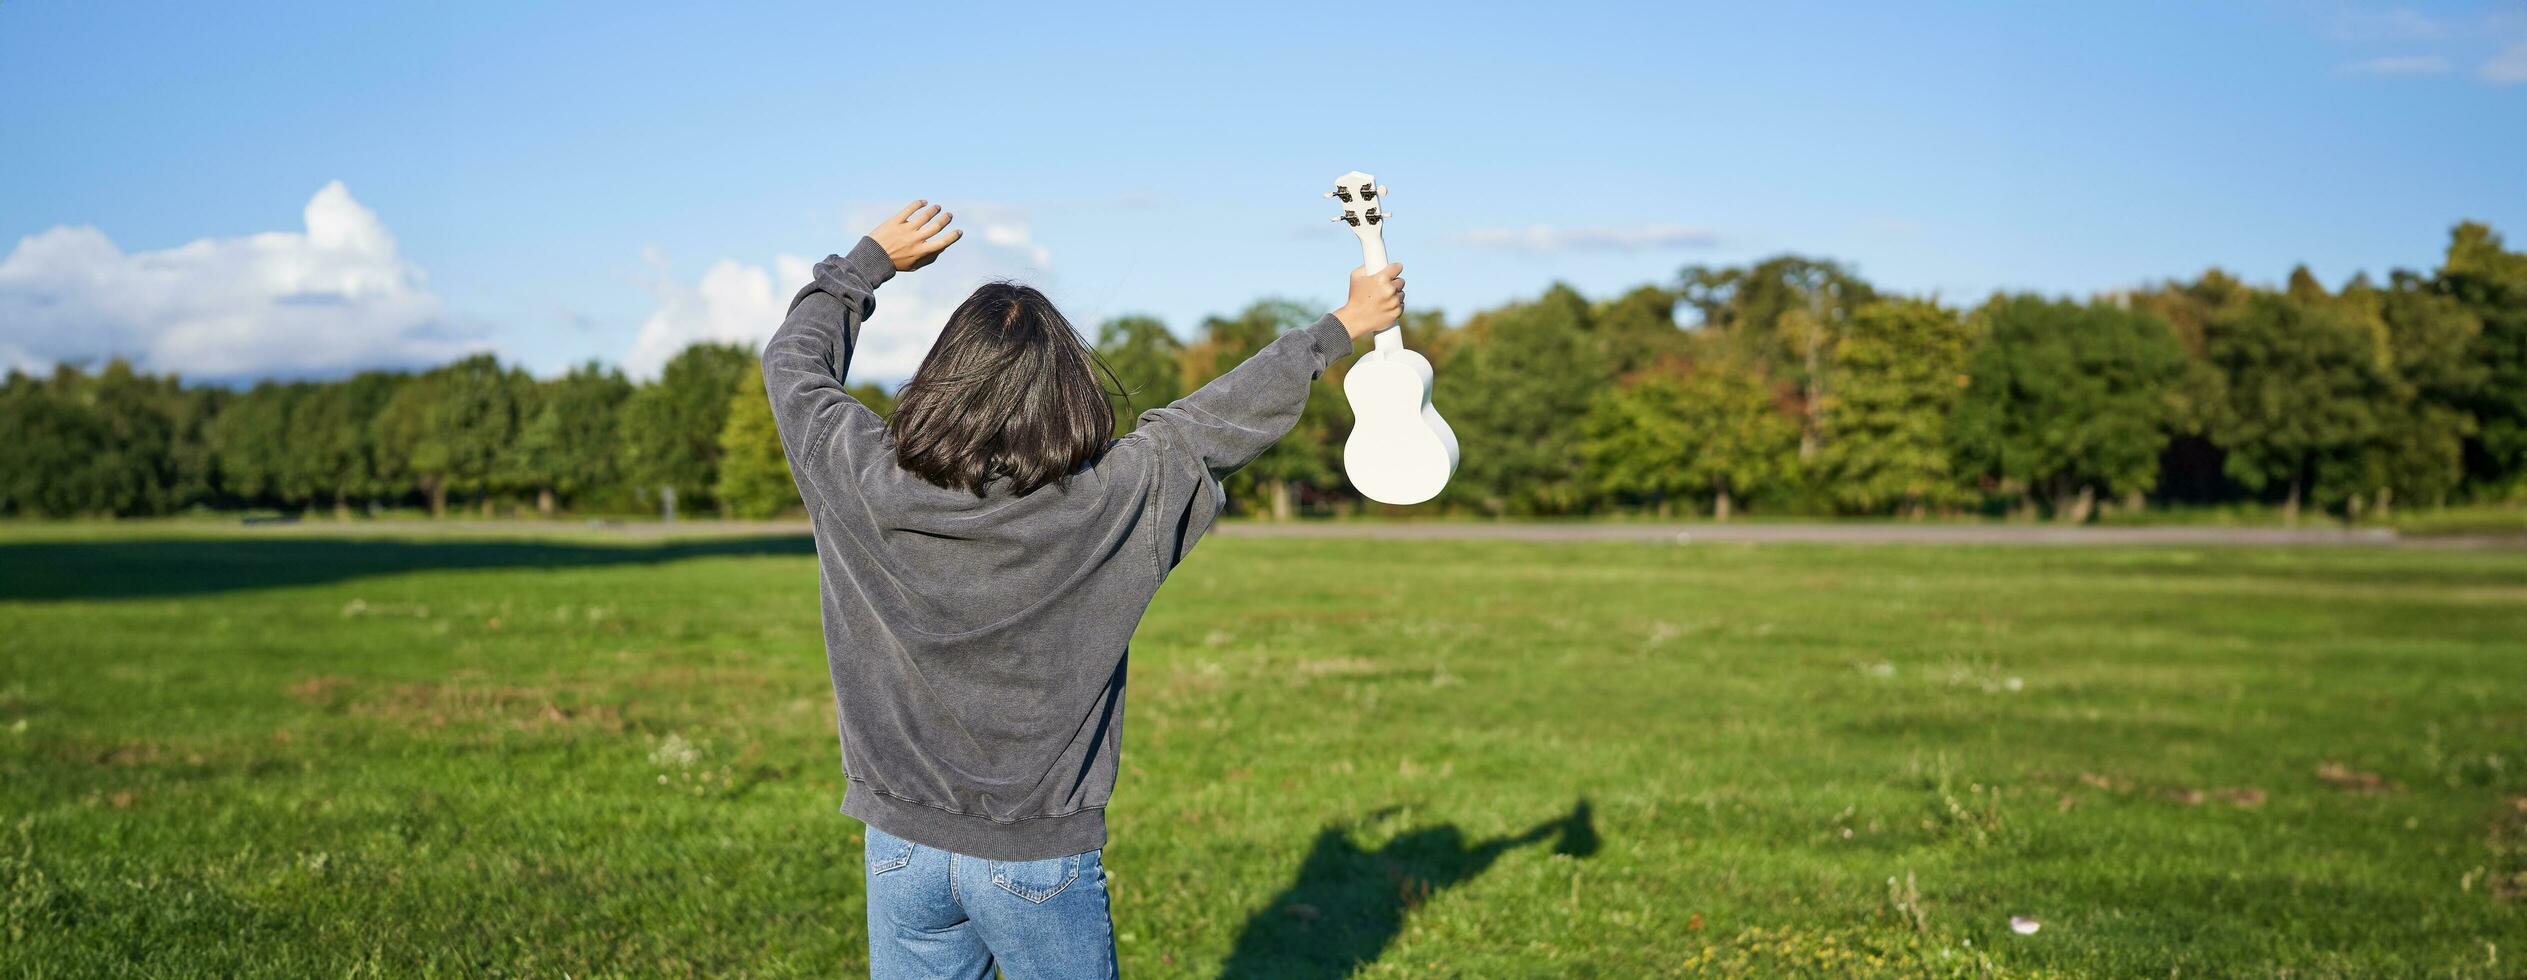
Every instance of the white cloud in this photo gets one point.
(731, 302)
(734, 301)
(1600, 238)
(2421, 64)
(14, 357)
(329, 299)
(2444, 40)
(2399, 24)
(2509, 67)
(1015, 237)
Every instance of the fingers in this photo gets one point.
(907, 213)
(942, 244)
(936, 222)
(1377, 294)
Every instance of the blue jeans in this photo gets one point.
(937, 914)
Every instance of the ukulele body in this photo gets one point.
(1400, 450)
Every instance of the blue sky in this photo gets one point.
(608, 181)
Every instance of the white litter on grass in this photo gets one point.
(674, 752)
(1996, 685)
(2023, 925)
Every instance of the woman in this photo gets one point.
(985, 557)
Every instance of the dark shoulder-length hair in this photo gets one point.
(1008, 392)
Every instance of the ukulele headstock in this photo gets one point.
(1363, 203)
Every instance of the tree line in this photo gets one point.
(1789, 385)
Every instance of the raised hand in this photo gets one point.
(911, 238)
(1376, 303)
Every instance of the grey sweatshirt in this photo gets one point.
(977, 645)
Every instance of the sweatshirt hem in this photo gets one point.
(1024, 839)
(869, 259)
(1332, 341)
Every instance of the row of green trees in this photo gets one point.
(471, 432)
(1789, 385)
(1799, 387)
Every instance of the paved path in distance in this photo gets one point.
(1829, 532)
(1862, 533)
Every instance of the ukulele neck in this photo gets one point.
(1362, 209)
(1373, 258)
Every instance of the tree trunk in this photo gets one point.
(2290, 505)
(667, 504)
(1720, 505)
(2386, 503)
(487, 500)
(1281, 494)
(544, 501)
(341, 506)
(2136, 502)
(1807, 438)
(2078, 508)
(1809, 396)
(1812, 387)
(438, 499)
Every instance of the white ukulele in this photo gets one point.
(1400, 451)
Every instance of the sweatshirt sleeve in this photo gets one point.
(1207, 435)
(823, 428)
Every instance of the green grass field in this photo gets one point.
(297, 755)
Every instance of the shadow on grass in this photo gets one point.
(1349, 903)
(161, 567)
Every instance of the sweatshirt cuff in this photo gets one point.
(867, 258)
(1332, 341)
